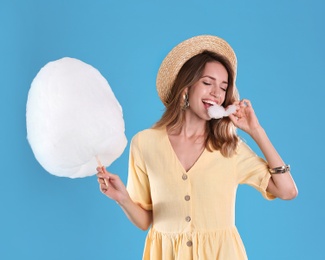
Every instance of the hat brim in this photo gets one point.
(187, 49)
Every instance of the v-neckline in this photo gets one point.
(177, 159)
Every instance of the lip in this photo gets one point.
(208, 103)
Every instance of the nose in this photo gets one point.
(215, 94)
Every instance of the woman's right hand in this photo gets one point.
(111, 185)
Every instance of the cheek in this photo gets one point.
(194, 91)
(203, 90)
(223, 97)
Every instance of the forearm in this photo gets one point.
(136, 214)
(267, 148)
(280, 185)
(112, 186)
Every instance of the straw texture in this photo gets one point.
(176, 58)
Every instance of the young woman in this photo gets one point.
(184, 171)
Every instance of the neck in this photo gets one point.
(191, 128)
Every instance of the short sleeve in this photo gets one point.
(138, 184)
(252, 170)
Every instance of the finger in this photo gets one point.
(103, 188)
(246, 102)
(101, 181)
(242, 104)
(103, 175)
(233, 119)
(104, 181)
(238, 113)
(100, 169)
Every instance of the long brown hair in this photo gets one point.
(220, 133)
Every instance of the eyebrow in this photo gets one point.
(207, 76)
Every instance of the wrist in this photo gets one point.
(257, 132)
(124, 200)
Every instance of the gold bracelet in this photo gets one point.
(281, 169)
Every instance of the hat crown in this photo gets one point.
(185, 50)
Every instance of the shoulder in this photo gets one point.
(243, 149)
(148, 136)
(148, 143)
(149, 133)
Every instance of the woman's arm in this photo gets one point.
(112, 186)
(280, 185)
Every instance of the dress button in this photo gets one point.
(189, 243)
(184, 177)
(187, 197)
(188, 219)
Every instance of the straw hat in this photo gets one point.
(176, 58)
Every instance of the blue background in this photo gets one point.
(280, 50)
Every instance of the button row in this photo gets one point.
(188, 218)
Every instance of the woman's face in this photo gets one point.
(210, 89)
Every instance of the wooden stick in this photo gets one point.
(100, 165)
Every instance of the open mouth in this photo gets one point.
(208, 103)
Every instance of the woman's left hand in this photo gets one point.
(244, 118)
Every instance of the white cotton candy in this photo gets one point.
(217, 111)
(73, 116)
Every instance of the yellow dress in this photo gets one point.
(194, 210)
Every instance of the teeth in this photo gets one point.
(209, 102)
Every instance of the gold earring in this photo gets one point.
(186, 102)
